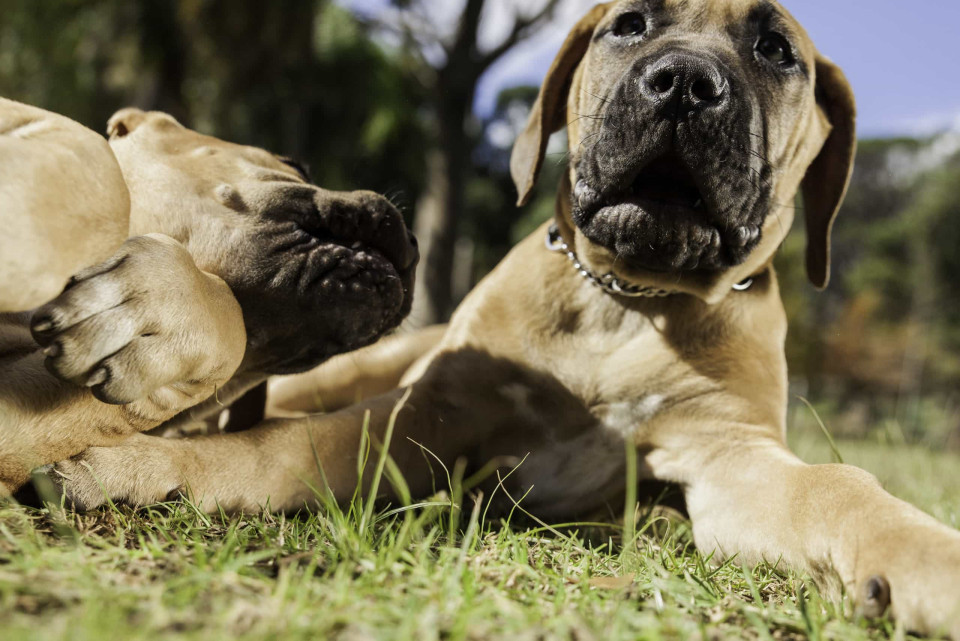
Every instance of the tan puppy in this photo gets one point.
(238, 268)
(692, 124)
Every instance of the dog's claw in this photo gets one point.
(875, 597)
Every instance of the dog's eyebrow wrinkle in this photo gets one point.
(768, 15)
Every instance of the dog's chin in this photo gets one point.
(290, 341)
(663, 224)
(331, 273)
(658, 237)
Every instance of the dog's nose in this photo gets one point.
(686, 79)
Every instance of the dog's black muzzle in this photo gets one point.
(677, 179)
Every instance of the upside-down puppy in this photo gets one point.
(652, 315)
(237, 268)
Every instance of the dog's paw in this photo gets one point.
(914, 575)
(135, 473)
(147, 320)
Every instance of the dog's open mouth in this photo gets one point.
(662, 219)
(666, 182)
(663, 186)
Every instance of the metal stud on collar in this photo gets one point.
(609, 282)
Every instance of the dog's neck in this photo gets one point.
(709, 287)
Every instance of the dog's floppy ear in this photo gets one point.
(826, 181)
(549, 111)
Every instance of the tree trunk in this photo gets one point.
(448, 165)
(165, 49)
(440, 206)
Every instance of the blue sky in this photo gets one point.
(903, 58)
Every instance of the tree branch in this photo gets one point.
(412, 43)
(522, 28)
(468, 28)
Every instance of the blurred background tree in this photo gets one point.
(384, 98)
(451, 62)
(300, 77)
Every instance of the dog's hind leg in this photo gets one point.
(132, 342)
(63, 203)
(282, 463)
(353, 377)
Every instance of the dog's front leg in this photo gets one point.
(283, 463)
(756, 500)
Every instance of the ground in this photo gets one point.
(439, 570)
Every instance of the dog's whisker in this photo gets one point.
(602, 99)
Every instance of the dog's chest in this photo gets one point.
(624, 378)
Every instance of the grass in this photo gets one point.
(437, 571)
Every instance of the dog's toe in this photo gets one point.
(133, 473)
(76, 484)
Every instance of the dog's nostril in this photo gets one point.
(706, 90)
(662, 82)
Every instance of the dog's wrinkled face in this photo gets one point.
(691, 125)
(675, 172)
(316, 272)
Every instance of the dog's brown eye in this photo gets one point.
(775, 48)
(629, 24)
